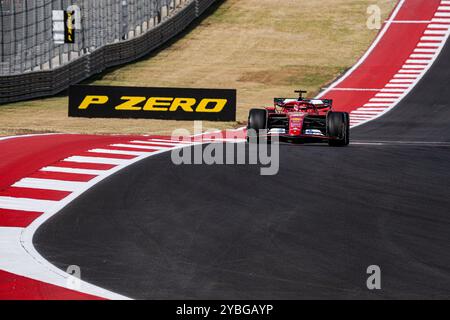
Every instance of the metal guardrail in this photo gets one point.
(50, 82)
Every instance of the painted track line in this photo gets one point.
(156, 143)
(119, 152)
(138, 146)
(47, 184)
(73, 170)
(96, 160)
(169, 141)
(24, 204)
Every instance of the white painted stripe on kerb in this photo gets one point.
(439, 32)
(428, 44)
(387, 105)
(431, 38)
(410, 71)
(121, 152)
(424, 50)
(442, 14)
(49, 184)
(25, 204)
(161, 144)
(379, 109)
(414, 61)
(136, 146)
(393, 90)
(406, 76)
(176, 142)
(397, 85)
(236, 140)
(444, 8)
(97, 160)
(402, 81)
(73, 170)
(414, 66)
(438, 26)
(383, 100)
(365, 112)
(356, 121)
(393, 95)
(360, 117)
(440, 20)
(428, 56)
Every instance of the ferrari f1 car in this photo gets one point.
(300, 119)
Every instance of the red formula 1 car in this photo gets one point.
(303, 120)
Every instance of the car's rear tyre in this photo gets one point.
(257, 125)
(338, 128)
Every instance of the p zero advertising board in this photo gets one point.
(152, 103)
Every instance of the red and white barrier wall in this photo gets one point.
(41, 174)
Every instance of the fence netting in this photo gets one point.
(26, 29)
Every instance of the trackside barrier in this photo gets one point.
(50, 82)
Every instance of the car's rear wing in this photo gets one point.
(318, 102)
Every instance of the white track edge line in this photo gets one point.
(31, 135)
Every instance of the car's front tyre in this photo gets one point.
(257, 125)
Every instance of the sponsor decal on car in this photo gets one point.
(314, 132)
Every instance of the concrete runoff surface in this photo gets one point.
(160, 231)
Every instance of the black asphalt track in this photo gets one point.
(156, 230)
